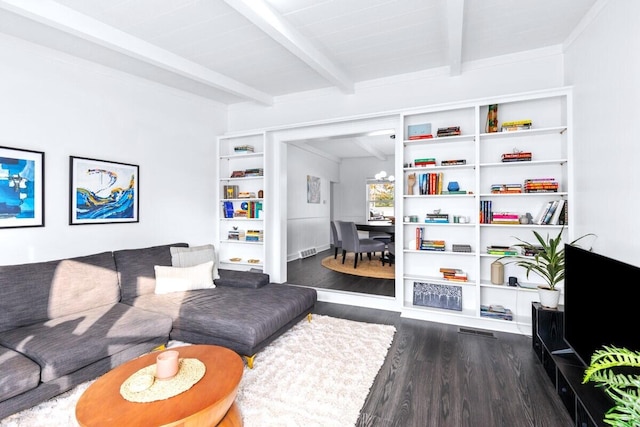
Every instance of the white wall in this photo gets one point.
(350, 193)
(603, 65)
(63, 106)
(308, 223)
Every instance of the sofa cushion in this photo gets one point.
(17, 373)
(175, 279)
(36, 292)
(241, 279)
(66, 344)
(136, 268)
(194, 255)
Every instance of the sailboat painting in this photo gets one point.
(21, 188)
(103, 192)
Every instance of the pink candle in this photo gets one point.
(167, 364)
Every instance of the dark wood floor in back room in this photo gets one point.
(312, 273)
(437, 376)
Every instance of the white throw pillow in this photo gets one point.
(188, 257)
(177, 279)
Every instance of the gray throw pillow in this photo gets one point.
(188, 257)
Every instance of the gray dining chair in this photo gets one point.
(335, 238)
(351, 242)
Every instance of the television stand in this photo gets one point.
(586, 403)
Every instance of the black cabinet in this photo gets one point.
(586, 403)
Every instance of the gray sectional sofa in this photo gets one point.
(67, 321)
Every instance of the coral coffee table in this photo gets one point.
(209, 402)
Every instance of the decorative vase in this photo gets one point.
(453, 186)
(497, 273)
(548, 298)
(492, 119)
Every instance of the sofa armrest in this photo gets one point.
(241, 279)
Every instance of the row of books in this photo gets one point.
(521, 156)
(551, 213)
(541, 185)
(424, 244)
(496, 312)
(253, 210)
(430, 183)
(506, 188)
(453, 274)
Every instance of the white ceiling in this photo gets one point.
(255, 50)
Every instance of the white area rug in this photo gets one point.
(317, 374)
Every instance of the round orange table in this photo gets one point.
(209, 402)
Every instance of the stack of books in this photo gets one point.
(522, 156)
(506, 188)
(453, 274)
(243, 149)
(501, 250)
(254, 172)
(496, 312)
(421, 163)
(453, 162)
(437, 218)
(448, 131)
(254, 236)
(432, 245)
(516, 125)
(541, 185)
(505, 218)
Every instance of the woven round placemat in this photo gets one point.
(189, 373)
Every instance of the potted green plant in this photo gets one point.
(607, 369)
(547, 262)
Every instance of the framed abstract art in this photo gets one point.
(103, 192)
(21, 188)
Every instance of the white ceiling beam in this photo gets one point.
(362, 143)
(455, 22)
(278, 28)
(57, 16)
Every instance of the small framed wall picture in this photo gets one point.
(21, 188)
(103, 192)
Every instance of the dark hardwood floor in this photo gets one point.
(437, 375)
(310, 272)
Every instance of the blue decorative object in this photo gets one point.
(453, 186)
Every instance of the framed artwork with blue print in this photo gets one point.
(103, 192)
(21, 188)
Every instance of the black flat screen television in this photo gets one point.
(600, 307)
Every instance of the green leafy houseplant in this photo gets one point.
(548, 261)
(623, 387)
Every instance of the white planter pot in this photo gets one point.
(548, 298)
